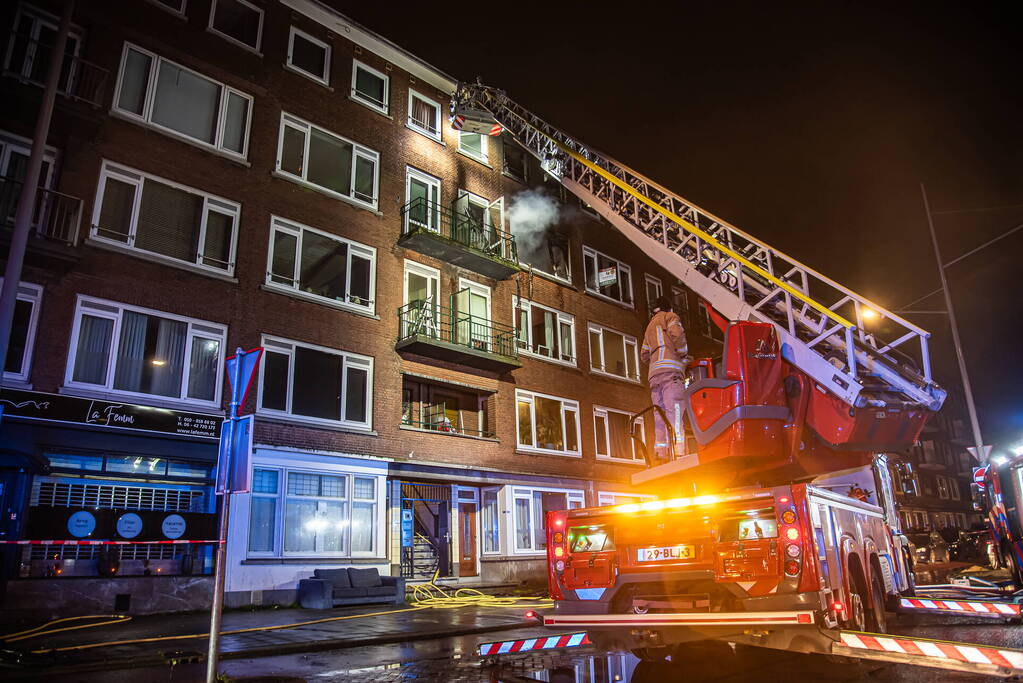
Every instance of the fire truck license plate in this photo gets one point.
(671, 552)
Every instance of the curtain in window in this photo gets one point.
(93, 351)
(116, 211)
(330, 534)
(216, 250)
(300, 523)
(186, 102)
(523, 537)
(202, 369)
(424, 115)
(169, 361)
(362, 527)
(169, 221)
(490, 527)
(621, 442)
(131, 351)
(261, 524)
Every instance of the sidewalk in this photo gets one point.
(359, 626)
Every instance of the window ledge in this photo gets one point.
(312, 298)
(454, 434)
(154, 401)
(369, 106)
(565, 282)
(320, 561)
(307, 76)
(235, 41)
(604, 297)
(169, 10)
(536, 451)
(327, 193)
(14, 383)
(608, 375)
(547, 359)
(620, 461)
(520, 557)
(312, 424)
(156, 258)
(508, 175)
(114, 113)
(426, 135)
(476, 159)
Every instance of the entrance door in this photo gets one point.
(467, 539)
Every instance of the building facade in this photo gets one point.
(451, 342)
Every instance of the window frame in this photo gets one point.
(413, 125)
(291, 66)
(131, 176)
(604, 496)
(567, 405)
(33, 294)
(100, 308)
(39, 19)
(297, 230)
(433, 215)
(526, 493)
(648, 281)
(358, 150)
(484, 492)
(627, 341)
(175, 12)
(601, 412)
(590, 252)
(362, 98)
(560, 317)
(287, 347)
(259, 32)
(149, 104)
(484, 155)
(278, 514)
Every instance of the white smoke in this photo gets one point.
(530, 214)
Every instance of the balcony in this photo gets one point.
(458, 238)
(56, 221)
(28, 61)
(449, 335)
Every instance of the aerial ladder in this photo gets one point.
(859, 393)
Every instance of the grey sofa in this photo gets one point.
(332, 587)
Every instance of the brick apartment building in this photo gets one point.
(241, 173)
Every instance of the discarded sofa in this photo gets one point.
(335, 587)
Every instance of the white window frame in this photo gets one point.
(496, 490)
(678, 294)
(413, 125)
(358, 150)
(422, 270)
(631, 349)
(102, 308)
(526, 493)
(567, 405)
(286, 347)
(290, 65)
(611, 497)
(365, 100)
(560, 318)
(601, 413)
(648, 281)
(484, 147)
(297, 230)
(10, 142)
(434, 183)
(277, 536)
(146, 117)
(590, 252)
(175, 12)
(259, 33)
(32, 294)
(131, 176)
(39, 19)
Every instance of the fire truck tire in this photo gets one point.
(857, 620)
(877, 619)
(993, 558)
(910, 576)
(1012, 564)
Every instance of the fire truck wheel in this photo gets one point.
(877, 619)
(992, 556)
(1012, 564)
(856, 621)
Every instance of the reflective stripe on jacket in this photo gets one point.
(664, 344)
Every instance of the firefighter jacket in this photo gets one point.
(664, 345)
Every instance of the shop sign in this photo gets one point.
(49, 523)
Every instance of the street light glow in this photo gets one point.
(869, 313)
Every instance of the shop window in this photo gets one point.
(530, 512)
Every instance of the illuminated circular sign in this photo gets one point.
(173, 526)
(81, 524)
(129, 525)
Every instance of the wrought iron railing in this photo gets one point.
(426, 319)
(29, 61)
(445, 426)
(56, 215)
(421, 215)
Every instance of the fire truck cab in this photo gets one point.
(778, 564)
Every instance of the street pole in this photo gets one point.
(220, 561)
(27, 198)
(967, 389)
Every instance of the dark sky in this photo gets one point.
(809, 125)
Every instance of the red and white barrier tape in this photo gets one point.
(102, 542)
(960, 652)
(962, 607)
(532, 644)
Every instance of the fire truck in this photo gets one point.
(1000, 489)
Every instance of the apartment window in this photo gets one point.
(423, 115)
(316, 384)
(514, 159)
(531, 508)
(176, 6)
(653, 292)
(473, 145)
(370, 87)
(173, 99)
(545, 332)
(929, 453)
(708, 325)
(320, 158)
(613, 353)
(300, 513)
(680, 303)
(422, 194)
(607, 277)
(139, 352)
(29, 49)
(238, 21)
(321, 265)
(491, 531)
(23, 331)
(154, 215)
(953, 488)
(447, 409)
(309, 56)
(943, 491)
(547, 423)
(613, 435)
(471, 306)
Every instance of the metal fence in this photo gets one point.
(56, 216)
(28, 60)
(421, 215)
(426, 319)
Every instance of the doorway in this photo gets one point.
(426, 547)
(467, 551)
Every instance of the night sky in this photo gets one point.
(809, 125)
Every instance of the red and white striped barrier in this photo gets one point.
(934, 649)
(104, 542)
(997, 609)
(504, 647)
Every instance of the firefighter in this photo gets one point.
(667, 353)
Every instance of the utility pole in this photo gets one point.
(27, 198)
(967, 389)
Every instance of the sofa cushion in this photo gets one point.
(337, 577)
(343, 593)
(364, 578)
(374, 591)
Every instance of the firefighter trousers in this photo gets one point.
(668, 391)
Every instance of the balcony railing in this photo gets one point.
(56, 216)
(446, 426)
(29, 61)
(424, 321)
(422, 216)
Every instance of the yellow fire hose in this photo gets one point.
(424, 596)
